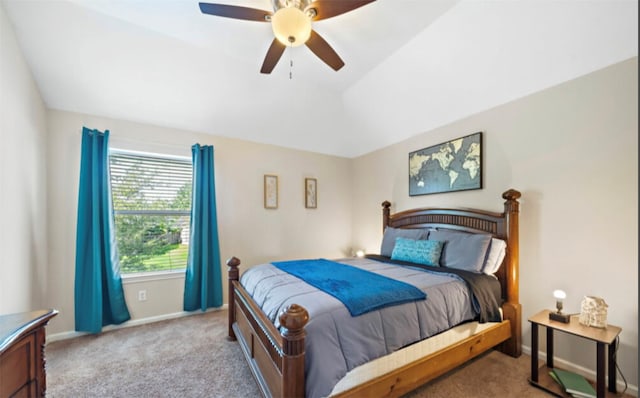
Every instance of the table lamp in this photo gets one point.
(558, 315)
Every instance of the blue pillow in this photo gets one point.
(425, 252)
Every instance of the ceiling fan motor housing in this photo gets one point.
(291, 24)
(299, 4)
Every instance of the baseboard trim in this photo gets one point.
(581, 370)
(134, 322)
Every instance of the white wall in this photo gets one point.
(572, 152)
(246, 229)
(23, 221)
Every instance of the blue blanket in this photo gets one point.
(359, 290)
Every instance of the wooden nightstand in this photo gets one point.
(540, 376)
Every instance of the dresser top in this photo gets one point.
(14, 326)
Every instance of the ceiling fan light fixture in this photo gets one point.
(291, 26)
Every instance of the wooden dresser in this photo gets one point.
(22, 338)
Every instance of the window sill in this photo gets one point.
(152, 276)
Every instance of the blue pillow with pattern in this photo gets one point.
(425, 252)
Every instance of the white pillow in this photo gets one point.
(495, 255)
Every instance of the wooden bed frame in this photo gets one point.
(276, 358)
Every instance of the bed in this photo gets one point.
(276, 354)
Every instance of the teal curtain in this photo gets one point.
(99, 298)
(203, 280)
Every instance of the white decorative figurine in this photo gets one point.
(593, 312)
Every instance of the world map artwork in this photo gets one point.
(454, 165)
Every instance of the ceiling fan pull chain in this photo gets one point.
(290, 62)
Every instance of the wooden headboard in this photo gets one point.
(500, 225)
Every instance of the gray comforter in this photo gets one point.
(337, 342)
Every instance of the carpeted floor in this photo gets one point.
(191, 357)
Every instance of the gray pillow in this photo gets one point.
(390, 235)
(462, 250)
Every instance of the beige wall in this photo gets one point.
(23, 207)
(246, 229)
(572, 152)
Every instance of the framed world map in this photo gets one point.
(454, 165)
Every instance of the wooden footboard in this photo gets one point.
(411, 376)
(276, 358)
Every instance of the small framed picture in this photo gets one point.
(310, 193)
(270, 191)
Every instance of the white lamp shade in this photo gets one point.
(291, 26)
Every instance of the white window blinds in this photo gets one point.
(152, 204)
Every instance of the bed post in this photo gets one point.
(512, 309)
(234, 275)
(293, 319)
(386, 214)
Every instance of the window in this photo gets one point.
(152, 205)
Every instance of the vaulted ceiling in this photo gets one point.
(411, 65)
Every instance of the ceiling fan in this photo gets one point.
(291, 24)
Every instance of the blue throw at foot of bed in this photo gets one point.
(359, 290)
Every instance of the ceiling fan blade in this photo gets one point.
(330, 8)
(273, 56)
(324, 51)
(236, 12)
